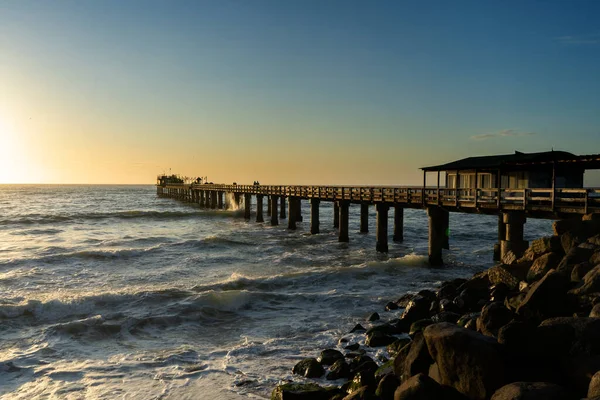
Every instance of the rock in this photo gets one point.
(471, 363)
(591, 282)
(516, 335)
(417, 308)
(594, 388)
(577, 255)
(358, 328)
(469, 321)
(547, 297)
(579, 271)
(387, 387)
(404, 300)
(417, 360)
(340, 369)
(329, 357)
(399, 361)
(300, 391)
(363, 379)
(342, 340)
(385, 369)
(309, 368)
(595, 258)
(428, 294)
(550, 244)
(542, 265)
(493, 317)
(363, 393)
(532, 391)
(373, 317)
(595, 313)
(378, 339)
(363, 363)
(418, 326)
(595, 240)
(509, 258)
(570, 336)
(446, 305)
(383, 328)
(569, 240)
(352, 347)
(398, 344)
(419, 387)
(499, 291)
(446, 316)
(512, 302)
(566, 225)
(501, 275)
(391, 306)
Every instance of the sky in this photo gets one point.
(290, 92)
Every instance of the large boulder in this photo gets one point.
(591, 282)
(594, 388)
(417, 359)
(493, 317)
(532, 391)
(567, 225)
(542, 265)
(300, 391)
(340, 369)
(419, 387)
(580, 270)
(330, 356)
(417, 308)
(505, 274)
(378, 339)
(550, 244)
(309, 368)
(470, 362)
(387, 387)
(547, 297)
(575, 256)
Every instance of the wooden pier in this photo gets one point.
(513, 207)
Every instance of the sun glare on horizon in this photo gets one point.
(14, 167)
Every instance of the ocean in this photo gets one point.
(112, 292)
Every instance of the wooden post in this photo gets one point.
(364, 217)
(514, 222)
(292, 213)
(282, 214)
(336, 214)
(259, 208)
(247, 205)
(220, 203)
(274, 220)
(398, 223)
(553, 185)
(437, 234)
(344, 216)
(381, 229)
(314, 215)
(476, 186)
(299, 209)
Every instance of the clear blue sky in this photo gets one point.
(293, 91)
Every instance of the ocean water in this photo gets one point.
(111, 292)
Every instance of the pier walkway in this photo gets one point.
(513, 206)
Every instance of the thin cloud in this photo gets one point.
(502, 133)
(579, 39)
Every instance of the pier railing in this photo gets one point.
(560, 200)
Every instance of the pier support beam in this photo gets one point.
(314, 216)
(236, 201)
(398, 223)
(214, 199)
(259, 208)
(247, 204)
(269, 206)
(201, 198)
(344, 207)
(501, 237)
(299, 210)
(364, 218)
(274, 220)
(282, 214)
(220, 203)
(292, 207)
(437, 234)
(336, 215)
(381, 230)
(514, 224)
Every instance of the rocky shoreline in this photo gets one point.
(527, 328)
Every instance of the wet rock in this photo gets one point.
(378, 339)
(343, 340)
(387, 387)
(579, 271)
(418, 326)
(373, 317)
(362, 393)
(398, 344)
(352, 347)
(363, 363)
(500, 274)
(383, 328)
(340, 369)
(566, 225)
(499, 291)
(309, 368)
(532, 391)
(595, 258)
(549, 244)
(330, 356)
(391, 306)
(446, 316)
(403, 301)
(471, 363)
(419, 387)
(569, 240)
(493, 317)
(469, 321)
(300, 391)
(428, 294)
(446, 305)
(595, 313)
(591, 282)
(576, 256)
(542, 265)
(417, 308)
(361, 379)
(385, 369)
(358, 328)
